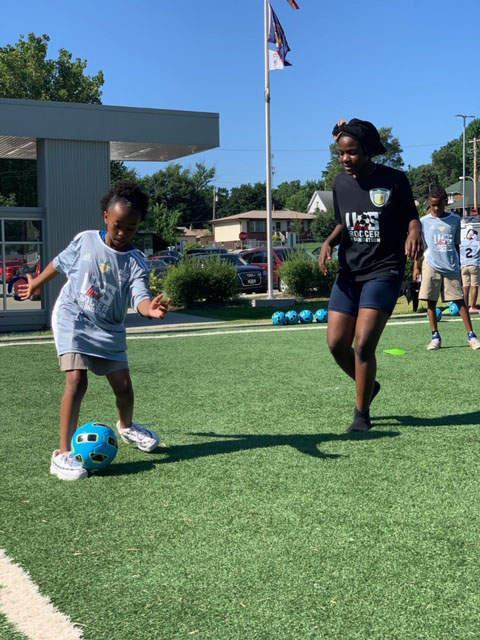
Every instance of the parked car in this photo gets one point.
(158, 266)
(280, 254)
(31, 268)
(166, 257)
(168, 252)
(205, 250)
(251, 279)
(11, 268)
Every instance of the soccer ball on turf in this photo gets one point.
(453, 308)
(306, 316)
(321, 315)
(438, 313)
(278, 317)
(94, 445)
(291, 317)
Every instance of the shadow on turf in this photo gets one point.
(304, 443)
(455, 420)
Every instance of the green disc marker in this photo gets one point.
(395, 352)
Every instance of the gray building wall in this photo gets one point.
(72, 177)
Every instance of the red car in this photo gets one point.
(32, 268)
(258, 257)
(11, 268)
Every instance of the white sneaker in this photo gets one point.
(144, 439)
(66, 467)
(474, 343)
(435, 344)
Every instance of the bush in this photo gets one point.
(155, 283)
(191, 281)
(303, 276)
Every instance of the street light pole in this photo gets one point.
(461, 115)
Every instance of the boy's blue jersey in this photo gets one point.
(89, 314)
(440, 236)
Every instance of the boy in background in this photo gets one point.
(441, 266)
(470, 263)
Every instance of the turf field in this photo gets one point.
(258, 518)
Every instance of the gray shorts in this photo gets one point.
(99, 366)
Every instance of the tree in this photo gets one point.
(177, 189)
(7, 201)
(246, 197)
(118, 171)
(422, 179)
(323, 224)
(163, 222)
(391, 158)
(25, 72)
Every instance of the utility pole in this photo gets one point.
(214, 200)
(474, 142)
(461, 115)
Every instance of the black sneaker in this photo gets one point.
(361, 421)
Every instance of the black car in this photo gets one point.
(206, 250)
(251, 279)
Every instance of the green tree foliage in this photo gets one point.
(323, 224)
(179, 190)
(7, 201)
(392, 157)
(163, 222)
(118, 171)
(422, 179)
(26, 72)
(447, 162)
(246, 197)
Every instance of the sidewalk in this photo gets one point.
(136, 322)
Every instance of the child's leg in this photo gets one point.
(463, 310)
(466, 292)
(369, 327)
(474, 297)
(122, 387)
(432, 315)
(340, 332)
(76, 384)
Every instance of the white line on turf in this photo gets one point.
(28, 610)
(221, 332)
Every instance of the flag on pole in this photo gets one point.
(293, 4)
(274, 60)
(278, 38)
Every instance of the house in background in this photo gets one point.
(189, 235)
(455, 197)
(321, 200)
(250, 228)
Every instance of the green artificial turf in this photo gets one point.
(258, 517)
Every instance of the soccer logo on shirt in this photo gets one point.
(363, 227)
(380, 197)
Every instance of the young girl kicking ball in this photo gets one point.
(105, 275)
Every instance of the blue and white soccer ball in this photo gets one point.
(278, 318)
(94, 445)
(453, 309)
(321, 315)
(306, 316)
(438, 313)
(291, 317)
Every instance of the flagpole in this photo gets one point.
(268, 181)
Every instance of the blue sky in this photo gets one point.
(408, 64)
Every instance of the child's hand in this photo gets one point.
(25, 289)
(158, 309)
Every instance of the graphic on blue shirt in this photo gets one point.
(89, 314)
(441, 236)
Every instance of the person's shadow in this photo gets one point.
(223, 443)
(453, 420)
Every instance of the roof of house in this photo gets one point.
(194, 233)
(262, 215)
(457, 187)
(325, 196)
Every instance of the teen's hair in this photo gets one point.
(438, 192)
(129, 193)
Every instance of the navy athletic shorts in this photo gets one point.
(348, 296)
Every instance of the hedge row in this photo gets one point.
(303, 276)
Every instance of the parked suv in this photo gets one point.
(205, 250)
(251, 279)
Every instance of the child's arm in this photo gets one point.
(26, 289)
(416, 269)
(153, 308)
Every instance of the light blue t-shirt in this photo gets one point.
(440, 236)
(89, 314)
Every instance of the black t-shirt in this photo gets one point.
(375, 213)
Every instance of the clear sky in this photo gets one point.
(409, 64)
